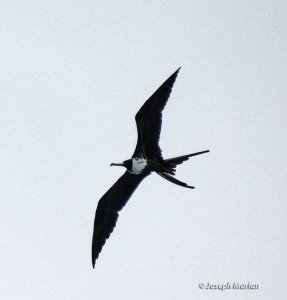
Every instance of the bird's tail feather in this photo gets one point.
(170, 178)
(168, 168)
(180, 159)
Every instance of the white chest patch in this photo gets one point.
(138, 165)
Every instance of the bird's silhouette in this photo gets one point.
(147, 158)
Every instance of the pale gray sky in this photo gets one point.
(73, 74)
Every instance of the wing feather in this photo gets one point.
(149, 120)
(108, 207)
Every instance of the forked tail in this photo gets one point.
(169, 166)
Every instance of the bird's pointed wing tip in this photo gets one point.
(176, 72)
(170, 81)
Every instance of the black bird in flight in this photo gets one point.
(147, 158)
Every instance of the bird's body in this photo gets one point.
(138, 165)
(147, 158)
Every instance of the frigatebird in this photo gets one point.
(147, 158)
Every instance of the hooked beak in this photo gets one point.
(121, 165)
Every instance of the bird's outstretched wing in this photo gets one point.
(109, 206)
(149, 121)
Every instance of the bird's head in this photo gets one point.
(127, 164)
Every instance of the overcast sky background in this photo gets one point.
(73, 75)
